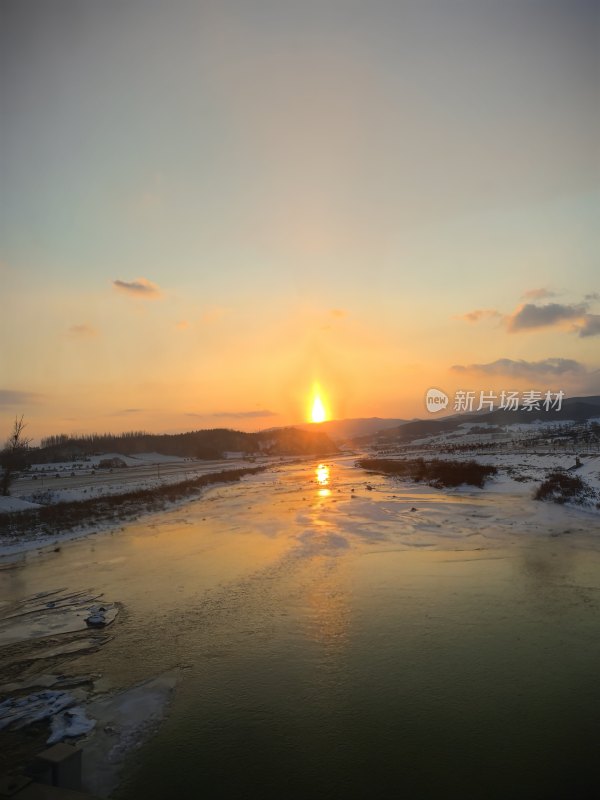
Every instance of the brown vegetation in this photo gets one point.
(436, 472)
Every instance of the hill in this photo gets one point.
(203, 444)
(342, 429)
(574, 409)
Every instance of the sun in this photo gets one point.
(318, 410)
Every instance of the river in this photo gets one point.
(340, 635)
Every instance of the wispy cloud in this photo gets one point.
(524, 369)
(82, 331)
(481, 313)
(529, 316)
(538, 294)
(182, 325)
(15, 397)
(339, 312)
(140, 287)
(245, 414)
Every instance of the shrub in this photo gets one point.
(559, 487)
(437, 472)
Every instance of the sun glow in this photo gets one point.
(318, 410)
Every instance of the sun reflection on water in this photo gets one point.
(322, 474)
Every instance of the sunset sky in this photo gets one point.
(208, 206)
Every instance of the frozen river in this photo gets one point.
(338, 635)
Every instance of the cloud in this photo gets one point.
(14, 397)
(590, 325)
(339, 312)
(538, 294)
(530, 316)
(480, 313)
(140, 287)
(246, 414)
(524, 369)
(82, 331)
(182, 325)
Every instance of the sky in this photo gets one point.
(207, 207)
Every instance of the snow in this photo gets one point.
(74, 481)
(91, 462)
(124, 720)
(17, 712)
(8, 504)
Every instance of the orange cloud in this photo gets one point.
(522, 368)
(481, 313)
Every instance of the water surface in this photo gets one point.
(332, 646)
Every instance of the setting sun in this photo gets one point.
(318, 410)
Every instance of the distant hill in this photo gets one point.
(576, 409)
(342, 429)
(304, 439)
(205, 444)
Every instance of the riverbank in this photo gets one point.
(42, 525)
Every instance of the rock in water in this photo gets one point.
(97, 617)
(96, 620)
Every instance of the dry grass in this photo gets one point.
(436, 472)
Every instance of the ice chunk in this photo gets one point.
(70, 723)
(17, 712)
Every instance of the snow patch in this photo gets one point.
(8, 504)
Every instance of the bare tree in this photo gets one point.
(14, 456)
